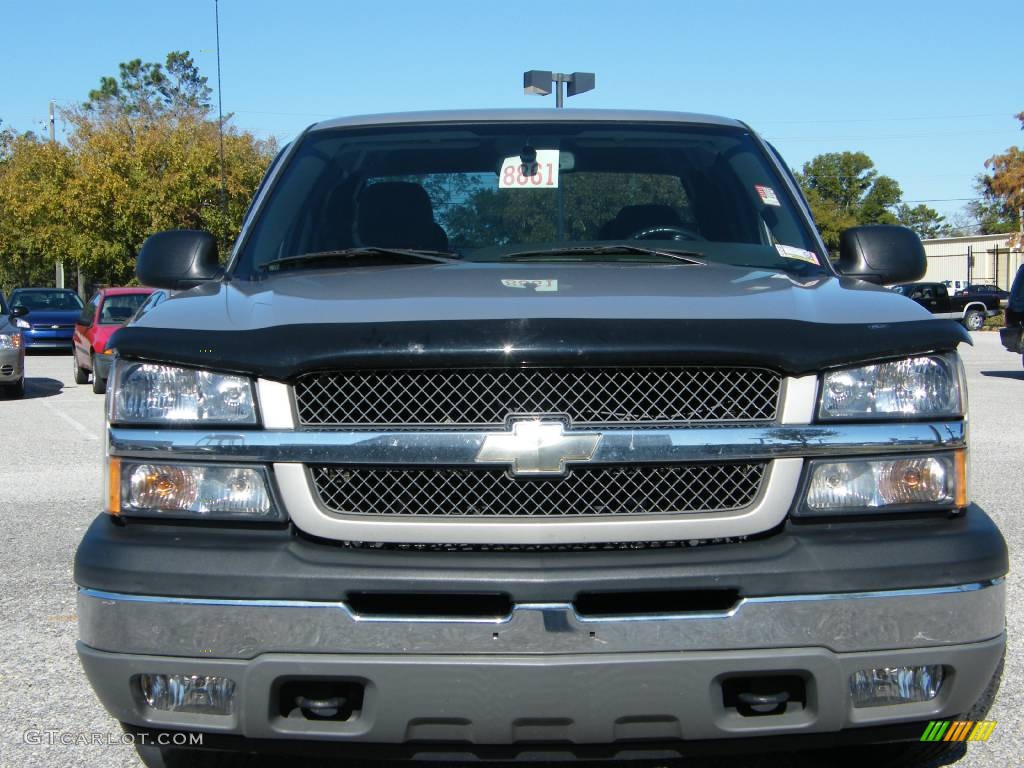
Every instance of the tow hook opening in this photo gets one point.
(338, 701)
(764, 695)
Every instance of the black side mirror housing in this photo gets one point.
(178, 259)
(882, 254)
(19, 311)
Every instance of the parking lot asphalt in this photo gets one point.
(50, 491)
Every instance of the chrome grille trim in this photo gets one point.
(486, 397)
(767, 510)
(583, 491)
(619, 446)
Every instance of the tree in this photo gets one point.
(876, 207)
(33, 175)
(142, 156)
(844, 190)
(150, 89)
(1002, 190)
(924, 220)
(137, 176)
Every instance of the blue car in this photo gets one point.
(49, 322)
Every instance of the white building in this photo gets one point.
(974, 259)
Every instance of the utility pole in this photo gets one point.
(59, 276)
(220, 119)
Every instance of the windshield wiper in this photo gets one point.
(689, 257)
(409, 255)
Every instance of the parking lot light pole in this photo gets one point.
(538, 82)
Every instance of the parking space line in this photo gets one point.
(89, 435)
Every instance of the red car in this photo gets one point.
(106, 311)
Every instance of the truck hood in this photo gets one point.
(533, 313)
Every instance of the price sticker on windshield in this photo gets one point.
(542, 173)
(791, 252)
(767, 195)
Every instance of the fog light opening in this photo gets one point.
(885, 686)
(196, 694)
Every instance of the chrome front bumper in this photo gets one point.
(544, 673)
(244, 629)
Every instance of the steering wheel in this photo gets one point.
(665, 232)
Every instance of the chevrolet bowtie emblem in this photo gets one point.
(537, 448)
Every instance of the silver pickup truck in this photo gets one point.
(538, 434)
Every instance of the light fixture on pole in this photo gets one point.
(539, 82)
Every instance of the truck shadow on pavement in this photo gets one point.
(36, 386)
(815, 759)
(1019, 375)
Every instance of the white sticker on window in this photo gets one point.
(767, 195)
(537, 285)
(542, 174)
(790, 252)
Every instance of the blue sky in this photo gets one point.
(927, 89)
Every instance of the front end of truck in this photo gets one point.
(539, 510)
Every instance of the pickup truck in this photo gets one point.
(971, 309)
(1012, 334)
(542, 435)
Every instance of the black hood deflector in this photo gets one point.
(791, 347)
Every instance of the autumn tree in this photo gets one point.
(33, 177)
(1002, 190)
(142, 155)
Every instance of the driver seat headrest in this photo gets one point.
(398, 214)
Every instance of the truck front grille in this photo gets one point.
(486, 397)
(583, 491)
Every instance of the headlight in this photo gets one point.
(10, 340)
(22, 323)
(916, 386)
(193, 491)
(148, 393)
(890, 484)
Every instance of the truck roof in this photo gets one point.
(526, 115)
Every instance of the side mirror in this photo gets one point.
(177, 259)
(881, 254)
(19, 311)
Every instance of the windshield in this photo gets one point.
(47, 301)
(119, 307)
(485, 192)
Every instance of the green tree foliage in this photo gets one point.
(924, 220)
(153, 89)
(142, 155)
(844, 190)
